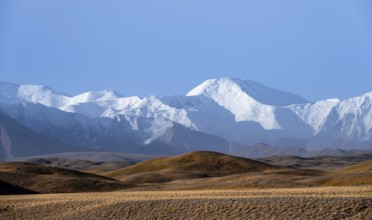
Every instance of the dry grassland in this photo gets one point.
(298, 203)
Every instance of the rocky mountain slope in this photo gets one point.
(216, 115)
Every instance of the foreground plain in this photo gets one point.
(285, 203)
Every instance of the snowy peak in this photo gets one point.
(214, 87)
(229, 94)
(15, 93)
(260, 93)
(239, 111)
(40, 94)
(105, 95)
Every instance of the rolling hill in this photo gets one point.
(45, 179)
(198, 164)
(10, 189)
(357, 174)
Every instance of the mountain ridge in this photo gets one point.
(218, 112)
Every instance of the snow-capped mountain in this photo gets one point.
(214, 115)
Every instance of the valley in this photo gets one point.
(185, 110)
(229, 148)
(200, 184)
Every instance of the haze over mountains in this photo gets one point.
(226, 115)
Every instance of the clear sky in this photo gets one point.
(318, 49)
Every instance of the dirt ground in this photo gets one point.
(300, 203)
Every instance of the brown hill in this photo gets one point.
(10, 189)
(45, 179)
(319, 162)
(188, 166)
(364, 167)
(81, 165)
(358, 174)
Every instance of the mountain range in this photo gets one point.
(225, 114)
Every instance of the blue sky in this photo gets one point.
(317, 49)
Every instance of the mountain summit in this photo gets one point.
(218, 115)
(228, 88)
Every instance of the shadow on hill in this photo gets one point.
(188, 166)
(10, 189)
(45, 179)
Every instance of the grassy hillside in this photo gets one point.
(358, 174)
(187, 166)
(45, 179)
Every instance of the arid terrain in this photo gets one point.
(197, 185)
(45, 179)
(298, 203)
